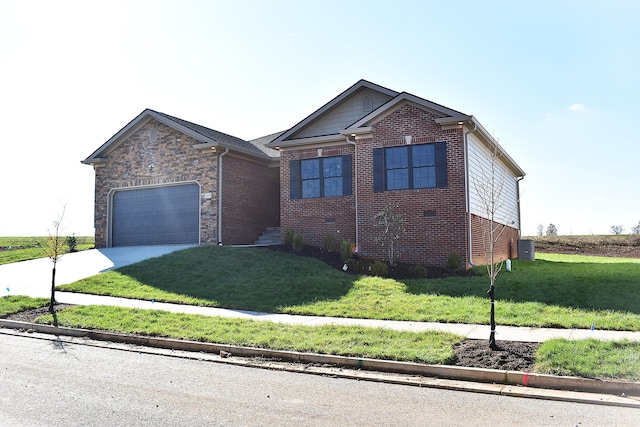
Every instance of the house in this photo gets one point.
(330, 174)
(371, 147)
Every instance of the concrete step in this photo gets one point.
(270, 237)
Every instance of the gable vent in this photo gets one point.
(367, 103)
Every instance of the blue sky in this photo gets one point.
(557, 82)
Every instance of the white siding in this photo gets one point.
(344, 114)
(506, 187)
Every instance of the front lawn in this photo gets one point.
(553, 291)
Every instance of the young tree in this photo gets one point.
(53, 249)
(540, 229)
(489, 188)
(552, 230)
(392, 226)
(617, 229)
(636, 229)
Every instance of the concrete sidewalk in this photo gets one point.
(504, 333)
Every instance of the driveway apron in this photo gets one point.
(33, 278)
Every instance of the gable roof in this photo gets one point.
(206, 136)
(447, 116)
(374, 116)
(330, 105)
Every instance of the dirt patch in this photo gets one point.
(30, 316)
(511, 356)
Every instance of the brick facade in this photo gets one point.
(436, 217)
(250, 192)
(176, 160)
(319, 217)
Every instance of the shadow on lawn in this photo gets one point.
(243, 278)
(592, 286)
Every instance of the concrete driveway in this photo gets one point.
(33, 278)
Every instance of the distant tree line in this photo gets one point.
(615, 229)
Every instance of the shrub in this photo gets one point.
(453, 262)
(288, 236)
(353, 264)
(418, 271)
(72, 243)
(298, 242)
(329, 242)
(346, 250)
(379, 269)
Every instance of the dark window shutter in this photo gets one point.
(294, 179)
(378, 170)
(347, 179)
(441, 164)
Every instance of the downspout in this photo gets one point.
(518, 179)
(355, 174)
(220, 196)
(467, 194)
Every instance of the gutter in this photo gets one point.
(518, 179)
(220, 195)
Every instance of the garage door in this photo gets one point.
(156, 216)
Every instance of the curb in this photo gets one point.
(512, 383)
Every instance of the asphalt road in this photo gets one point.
(47, 382)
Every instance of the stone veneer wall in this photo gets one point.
(175, 161)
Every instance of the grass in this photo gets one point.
(425, 347)
(562, 291)
(555, 290)
(16, 304)
(15, 249)
(590, 358)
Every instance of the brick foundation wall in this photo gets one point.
(250, 193)
(505, 248)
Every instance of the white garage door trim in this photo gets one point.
(189, 234)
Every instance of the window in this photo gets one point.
(410, 166)
(310, 178)
(321, 177)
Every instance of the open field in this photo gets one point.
(15, 249)
(625, 246)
